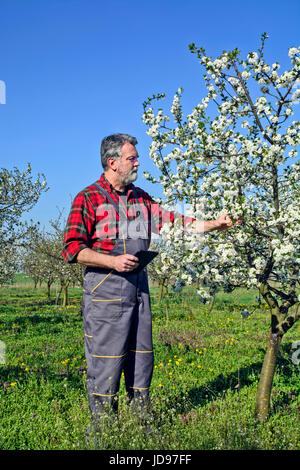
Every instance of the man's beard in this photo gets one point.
(129, 177)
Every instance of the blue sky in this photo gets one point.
(78, 70)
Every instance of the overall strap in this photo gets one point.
(143, 224)
(116, 206)
(138, 202)
(105, 193)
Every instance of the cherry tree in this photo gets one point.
(236, 153)
(31, 265)
(19, 192)
(42, 261)
(66, 274)
(39, 259)
(165, 268)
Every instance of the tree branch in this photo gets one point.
(251, 103)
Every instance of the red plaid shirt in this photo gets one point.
(90, 225)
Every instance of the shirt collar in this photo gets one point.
(109, 187)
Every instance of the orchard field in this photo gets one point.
(207, 366)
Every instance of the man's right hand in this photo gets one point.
(121, 263)
(125, 263)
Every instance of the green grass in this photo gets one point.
(204, 383)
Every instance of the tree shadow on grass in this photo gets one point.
(235, 381)
(28, 302)
(8, 375)
(244, 377)
(36, 304)
(48, 318)
(11, 374)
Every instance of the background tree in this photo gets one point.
(236, 153)
(38, 261)
(18, 194)
(162, 270)
(67, 274)
(31, 265)
(43, 261)
(8, 263)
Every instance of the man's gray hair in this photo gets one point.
(111, 147)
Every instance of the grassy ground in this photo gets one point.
(204, 384)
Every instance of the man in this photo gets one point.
(109, 223)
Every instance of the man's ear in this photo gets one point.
(112, 163)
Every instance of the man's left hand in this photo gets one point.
(224, 222)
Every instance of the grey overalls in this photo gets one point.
(117, 324)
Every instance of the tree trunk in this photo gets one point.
(211, 304)
(266, 378)
(59, 293)
(65, 295)
(48, 289)
(161, 287)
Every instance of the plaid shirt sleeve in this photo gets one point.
(79, 225)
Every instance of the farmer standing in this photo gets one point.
(110, 221)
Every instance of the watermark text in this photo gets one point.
(2, 92)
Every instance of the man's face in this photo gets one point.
(128, 164)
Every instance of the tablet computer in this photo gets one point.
(145, 257)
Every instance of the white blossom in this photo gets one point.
(232, 162)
